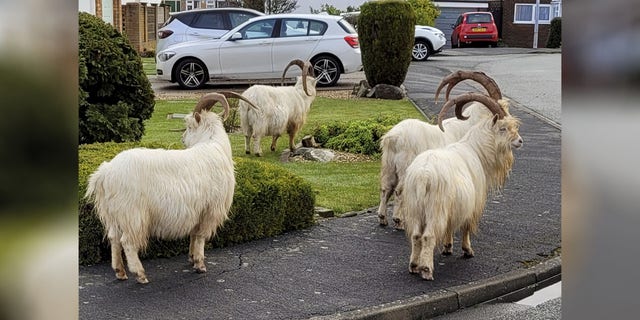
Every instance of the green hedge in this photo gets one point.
(555, 33)
(361, 136)
(268, 201)
(386, 34)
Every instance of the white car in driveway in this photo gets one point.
(428, 41)
(261, 48)
(201, 24)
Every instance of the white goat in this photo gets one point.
(446, 189)
(410, 137)
(281, 109)
(167, 194)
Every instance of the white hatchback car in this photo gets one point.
(261, 48)
(428, 41)
(201, 24)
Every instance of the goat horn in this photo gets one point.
(209, 100)
(454, 78)
(231, 94)
(460, 101)
(304, 66)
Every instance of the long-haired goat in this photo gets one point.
(168, 194)
(410, 137)
(281, 109)
(446, 189)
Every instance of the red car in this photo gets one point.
(474, 27)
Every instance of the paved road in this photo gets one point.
(352, 268)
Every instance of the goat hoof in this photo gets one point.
(383, 222)
(447, 252)
(247, 152)
(142, 279)
(426, 274)
(200, 269)
(413, 268)
(258, 154)
(121, 274)
(468, 255)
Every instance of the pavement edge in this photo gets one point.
(510, 286)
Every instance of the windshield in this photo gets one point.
(478, 18)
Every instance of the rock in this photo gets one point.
(361, 89)
(309, 142)
(284, 156)
(324, 212)
(349, 214)
(300, 151)
(321, 155)
(387, 91)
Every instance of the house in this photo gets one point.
(109, 10)
(514, 18)
(519, 21)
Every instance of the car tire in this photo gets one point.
(459, 43)
(453, 44)
(326, 70)
(421, 50)
(191, 74)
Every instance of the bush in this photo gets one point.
(555, 33)
(361, 136)
(115, 96)
(386, 35)
(268, 201)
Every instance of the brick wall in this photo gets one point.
(521, 35)
(139, 25)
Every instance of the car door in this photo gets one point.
(249, 56)
(298, 38)
(456, 30)
(207, 25)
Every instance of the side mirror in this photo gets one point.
(236, 36)
(453, 26)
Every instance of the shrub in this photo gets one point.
(386, 35)
(426, 12)
(555, 33)
(361, 136)
(115, 96)
(268, 200)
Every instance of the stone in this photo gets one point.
(361, 89)
(321, 155)
(324, 212)
(387, 91)
(309, 142)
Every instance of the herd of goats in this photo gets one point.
(440, 176)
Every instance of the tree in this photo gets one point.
(254, 4)
(281, 6)
(329, 9)
(426, 12)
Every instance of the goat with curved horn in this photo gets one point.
(208, 101)
(456, 77)
(306, 68)
(231, 94)
(465, 98)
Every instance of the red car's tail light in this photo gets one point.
(352, 41)
(164, 33)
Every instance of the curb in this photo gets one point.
(507, 287)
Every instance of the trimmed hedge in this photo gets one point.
(268, 201)
(115, 96)
(386, 36)
(362, 136)
(555, 33)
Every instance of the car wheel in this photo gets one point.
(326, 70)
(453, 44)
(191, 74)
(421, 50)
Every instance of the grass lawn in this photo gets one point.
(342, 187)
(149, 66)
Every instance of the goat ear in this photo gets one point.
(197, 116)
(494, 120)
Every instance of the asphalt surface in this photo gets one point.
(351, 268)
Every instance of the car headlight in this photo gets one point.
(166, 55)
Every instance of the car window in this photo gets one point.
(259, 29)
(239, 17)
(186, 18)
(317, 28)
(478, 18)
(346, 26)
(459, 21)
(209, 20)
(294, 27)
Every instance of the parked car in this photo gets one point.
(428, 41)
(261, 48)
(474, 27)
(201, 24)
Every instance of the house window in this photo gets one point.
(211, 3)
(192, 4)
(556, 8)
(524, 14)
